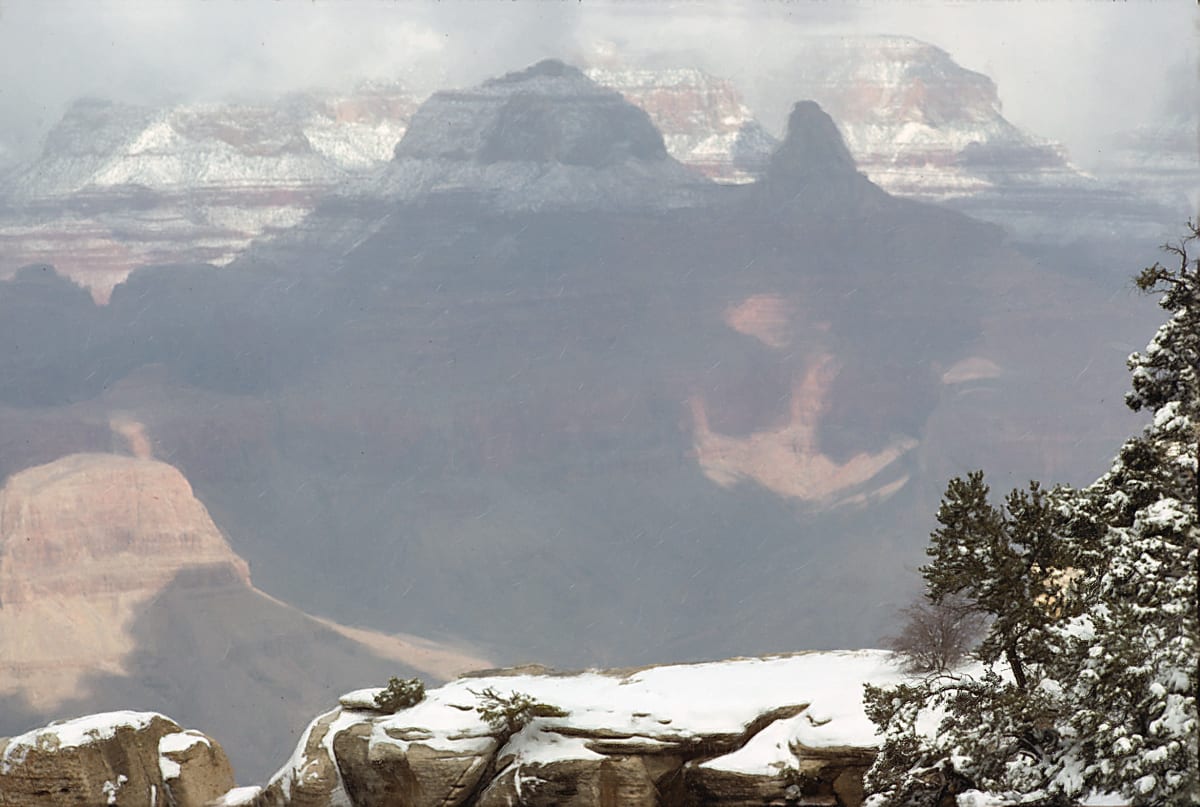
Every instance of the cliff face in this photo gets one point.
(78, 526)
(134, 759)
(913, 118)
(85, 541)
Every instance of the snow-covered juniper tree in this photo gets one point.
(995, 727)
(1091, 661)
(1130, 663)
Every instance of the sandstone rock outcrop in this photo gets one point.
(722, 733)
(132, 759)
(85, 541)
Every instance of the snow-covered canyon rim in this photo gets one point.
(728, 727)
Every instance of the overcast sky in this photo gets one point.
(1070, 71)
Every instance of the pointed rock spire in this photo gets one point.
(813, 149)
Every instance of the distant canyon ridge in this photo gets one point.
(117, 187)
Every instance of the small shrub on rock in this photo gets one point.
(400, 694)
(512, 712)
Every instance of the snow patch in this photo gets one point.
(531, 746)
(181, 741)
(238, 797)
(769, 749)
(174, 744)
(660, 706)
(361, 699)
(111, 789)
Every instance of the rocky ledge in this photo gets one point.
(119, 758)
(786, 729)
(779, 730)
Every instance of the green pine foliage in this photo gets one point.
(1007, 562)
(1131, 656)
(994, 729)
(400, 694)
(1087, 674)
(512, 712)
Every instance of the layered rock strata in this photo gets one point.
(704, 122)
(120, 186)
(1159, 161)
(131, 759)
(920, 125)
(85, 542)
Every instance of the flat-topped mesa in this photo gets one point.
(908, 111)
(550, 112)
(308, 140)
(540, 136)
(94, 127)
(922, 126)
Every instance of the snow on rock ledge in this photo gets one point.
(736, 732)
(122, 758)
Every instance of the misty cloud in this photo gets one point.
(1066, 71)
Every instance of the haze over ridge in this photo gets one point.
(1083, 71)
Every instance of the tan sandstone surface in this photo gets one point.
(131, 759)
(84, 542)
